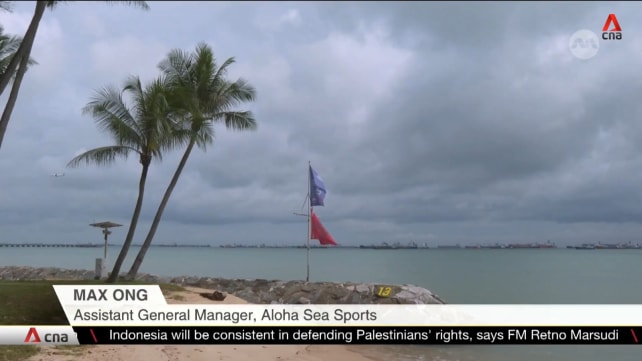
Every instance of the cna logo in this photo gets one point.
(32, 336)
(614, 33)
(50, 337)
(584, 44)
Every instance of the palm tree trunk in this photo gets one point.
(18, 65)
(159, 213)
(113, 277)
(24, 50)
(13, 97)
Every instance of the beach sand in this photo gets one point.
(200, 353)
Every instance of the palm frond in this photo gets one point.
(219, 76)
(103, 156)
(204, 136)
(8, 47)
(239, 120)
(112, 115)
(134, 88)
(161, 125)
(204, 67)
(230, 95)
(176, 65)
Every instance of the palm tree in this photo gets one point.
(205, 96)
(9, 46)
(145, 129)
(18, 63)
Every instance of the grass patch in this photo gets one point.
(169, 288)
(17, 353)
(30, 303)
(35, 303)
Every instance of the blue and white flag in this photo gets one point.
(317, 189)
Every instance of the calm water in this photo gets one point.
(458, 276)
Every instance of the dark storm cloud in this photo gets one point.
(438, 122)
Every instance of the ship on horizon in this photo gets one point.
(548, 244)
(600, 245)
(449, 246)
(395, 245)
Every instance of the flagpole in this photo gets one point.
(307, 276)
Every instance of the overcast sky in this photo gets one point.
(433, 122)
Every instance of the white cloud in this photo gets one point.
(291, 17)
(270, 73)
(270, 22)
(93, 25)
(365, 64)
(554, 51)
(357, 70)
(116, 58)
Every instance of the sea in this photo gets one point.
(459, 276)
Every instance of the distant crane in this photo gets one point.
(58, 175)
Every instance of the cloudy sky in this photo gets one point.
(434, 122)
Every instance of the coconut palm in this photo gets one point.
(144, 129)
(9, 45)
(19, 62)
(205, 96)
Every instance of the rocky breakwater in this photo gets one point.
(260, 291)
(300, 292)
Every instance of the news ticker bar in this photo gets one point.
(293, 335)
(351, 335)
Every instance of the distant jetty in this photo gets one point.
(88, 245)
(628, 245)
(536, 245)
(413, 245)
(55, 245)
(396, 245)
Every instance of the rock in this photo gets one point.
(329, 294)
(362, 288)
(214, 296)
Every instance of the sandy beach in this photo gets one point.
(200, 353)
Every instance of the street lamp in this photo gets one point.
(102, 263)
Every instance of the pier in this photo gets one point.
(50, 245)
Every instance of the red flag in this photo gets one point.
(319, 232)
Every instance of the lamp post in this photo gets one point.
(101, 264)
